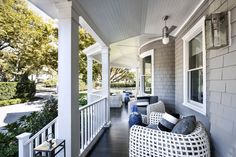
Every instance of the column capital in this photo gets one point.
(66, 11)
(105, 49)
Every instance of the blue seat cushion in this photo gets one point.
(153, 126)
(135, 118)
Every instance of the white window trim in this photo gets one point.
(195, 30)
(143, 55)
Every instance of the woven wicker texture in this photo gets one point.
(145, 142)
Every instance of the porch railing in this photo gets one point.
(93, 118)
(94, 96)
(27, 143)
(92, 121)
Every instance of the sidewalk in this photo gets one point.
(11, 113)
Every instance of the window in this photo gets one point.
(147, 73)
(195, 68)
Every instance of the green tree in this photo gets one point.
(27, 43)
(85, 40)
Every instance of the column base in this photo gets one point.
(108, 125)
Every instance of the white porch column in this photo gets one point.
(89, 77)
(106, 79)
(68, 107)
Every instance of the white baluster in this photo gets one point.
(36, 141)
(31, 149)
(88, 112)
(49, 130)
(82, 129)
(91, 122)
(86, 125)
(97, 120)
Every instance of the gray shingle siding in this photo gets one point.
(164, 71)
(220, 119)
(221, 83)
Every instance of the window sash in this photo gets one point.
(198, 28)
(190, 86)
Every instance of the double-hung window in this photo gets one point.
(147, 76)
(195, 68)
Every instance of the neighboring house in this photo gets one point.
(127, 36)
(43, 75)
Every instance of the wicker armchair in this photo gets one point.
(145, 142)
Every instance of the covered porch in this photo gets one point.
(126, 32)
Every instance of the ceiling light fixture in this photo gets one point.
(166, 31)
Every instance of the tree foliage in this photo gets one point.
(116, 75)
(27, 43)
(85, 40)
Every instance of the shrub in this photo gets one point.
(82, 85)
(83, 99)
(25, 88)
(32, 123)
(50, 83)
(118, 85)
(7, 90)
(12, 101)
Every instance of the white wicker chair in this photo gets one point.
(145, 142)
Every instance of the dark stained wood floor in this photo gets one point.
(115, 140)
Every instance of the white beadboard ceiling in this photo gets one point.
(122, 19)
(127, 24)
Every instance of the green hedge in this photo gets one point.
(25, 89)
(117, 85)
(12, 101)
(83, 99)
(7, 90)
(12, 90)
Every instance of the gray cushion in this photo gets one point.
(156, 107)
(153, 126)
(185, 126)
(142, 100)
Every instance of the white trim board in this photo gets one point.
(195, 30)
(143, 55)
(188, 18)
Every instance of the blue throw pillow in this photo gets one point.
(185, 126)
(134, 108)
(135, 118)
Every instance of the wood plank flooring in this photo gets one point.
(115, 140)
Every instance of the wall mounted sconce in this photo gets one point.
(217, 28)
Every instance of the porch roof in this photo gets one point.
(125, 25)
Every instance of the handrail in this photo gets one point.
(92, 103)
(95, 94)
(41, 131)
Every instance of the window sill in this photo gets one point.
(196, 108)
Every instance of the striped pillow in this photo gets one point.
(167, 122)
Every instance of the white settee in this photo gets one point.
(116, 101)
